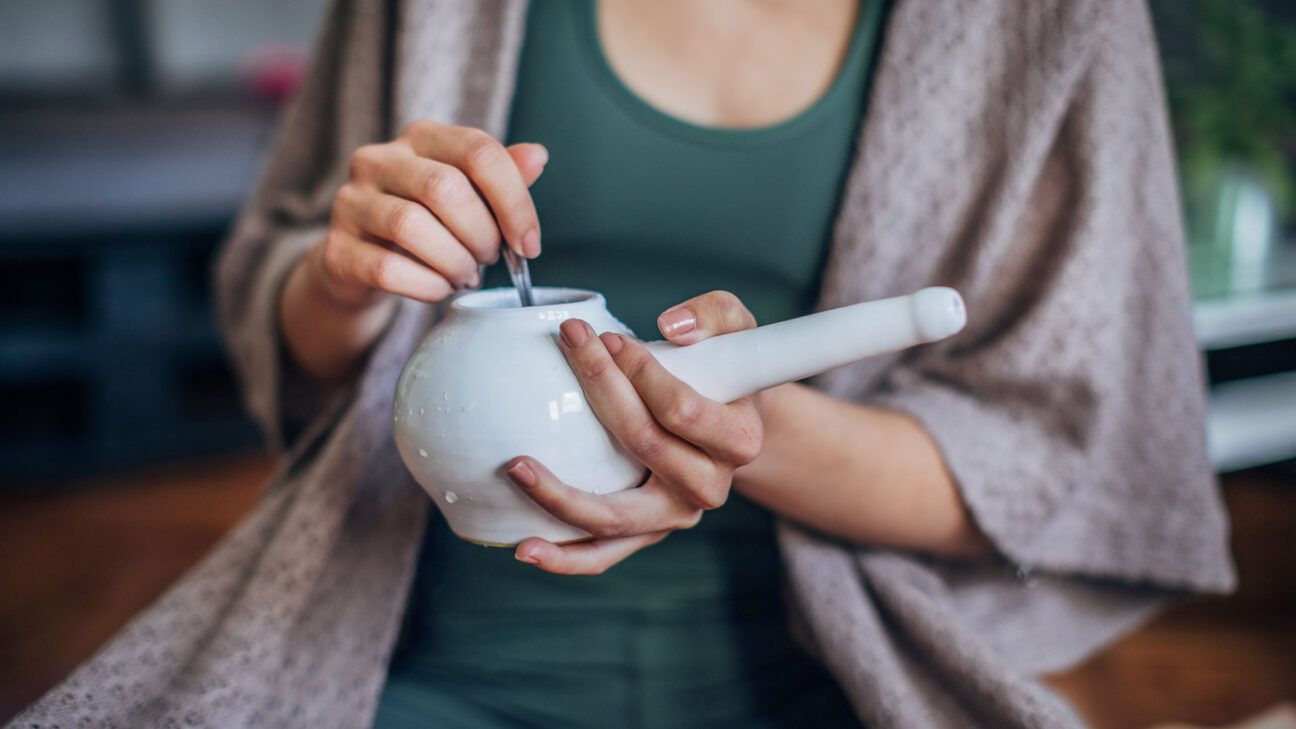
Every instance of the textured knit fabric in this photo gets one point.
(1015, 149)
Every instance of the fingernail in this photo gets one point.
(531, 243)
(544, 155)
(613, 342)
(522, 474)
(525, 557)
(475, 280)
(574, 332)
(677, 321)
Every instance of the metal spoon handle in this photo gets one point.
(521, 275)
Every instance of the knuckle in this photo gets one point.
(647, 442)
(725, 300)
(712, 496)
(363, 160)
(484, 247)
(382, 271)
(613, 526)
(520, 209)
(443, 185)
(418, 128)
(746, 444)
(635, 360)
(343, 201)
(689, 519)
(463, 268)
(481, 150)
(401, 219)
(746, 450)
(686, 411)
(604, 531)
(733, 314)
(332, 254)
(591, 367)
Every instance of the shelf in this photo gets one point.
(1253, 422)
(1234, 321)
(1241, 302)
(156, 167)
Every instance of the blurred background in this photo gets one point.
(130, 132)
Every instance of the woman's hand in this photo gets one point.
(689, 444)
(420, 213)
(416, 218)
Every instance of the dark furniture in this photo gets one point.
(109, 218)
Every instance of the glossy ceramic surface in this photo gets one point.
(489, 383)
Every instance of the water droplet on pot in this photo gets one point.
(451, 497)
(421, 411)
(468, 407)
(423, 452)
(445, 396)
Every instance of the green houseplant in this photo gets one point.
(1231, 76)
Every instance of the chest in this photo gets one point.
(727, 63)
(651, 208)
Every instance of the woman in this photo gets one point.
(951, 522)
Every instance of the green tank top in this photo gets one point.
(650, 210)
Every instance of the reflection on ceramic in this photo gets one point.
(489, 383)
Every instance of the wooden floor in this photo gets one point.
(78, 560)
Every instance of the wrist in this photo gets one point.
(326, 336)
(774, 405)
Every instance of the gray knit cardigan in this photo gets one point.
(1015, 149)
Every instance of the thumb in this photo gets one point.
(717, 312)
(530, 159)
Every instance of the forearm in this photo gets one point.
(866, 475)
(325, 337)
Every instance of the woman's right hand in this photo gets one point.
(420, 213)
(415, 219)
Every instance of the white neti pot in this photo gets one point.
(489, 382)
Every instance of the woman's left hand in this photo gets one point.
(689, 444)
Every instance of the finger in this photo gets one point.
(443, 189)
(408, 225)
(716, 312)
(530, 159)
(730, 433)
(584, 558)
(359, 262)
(649, 508)
(619, 407)
(491, 168)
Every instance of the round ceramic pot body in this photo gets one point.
(489, 382)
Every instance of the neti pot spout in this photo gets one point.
(731, 366)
